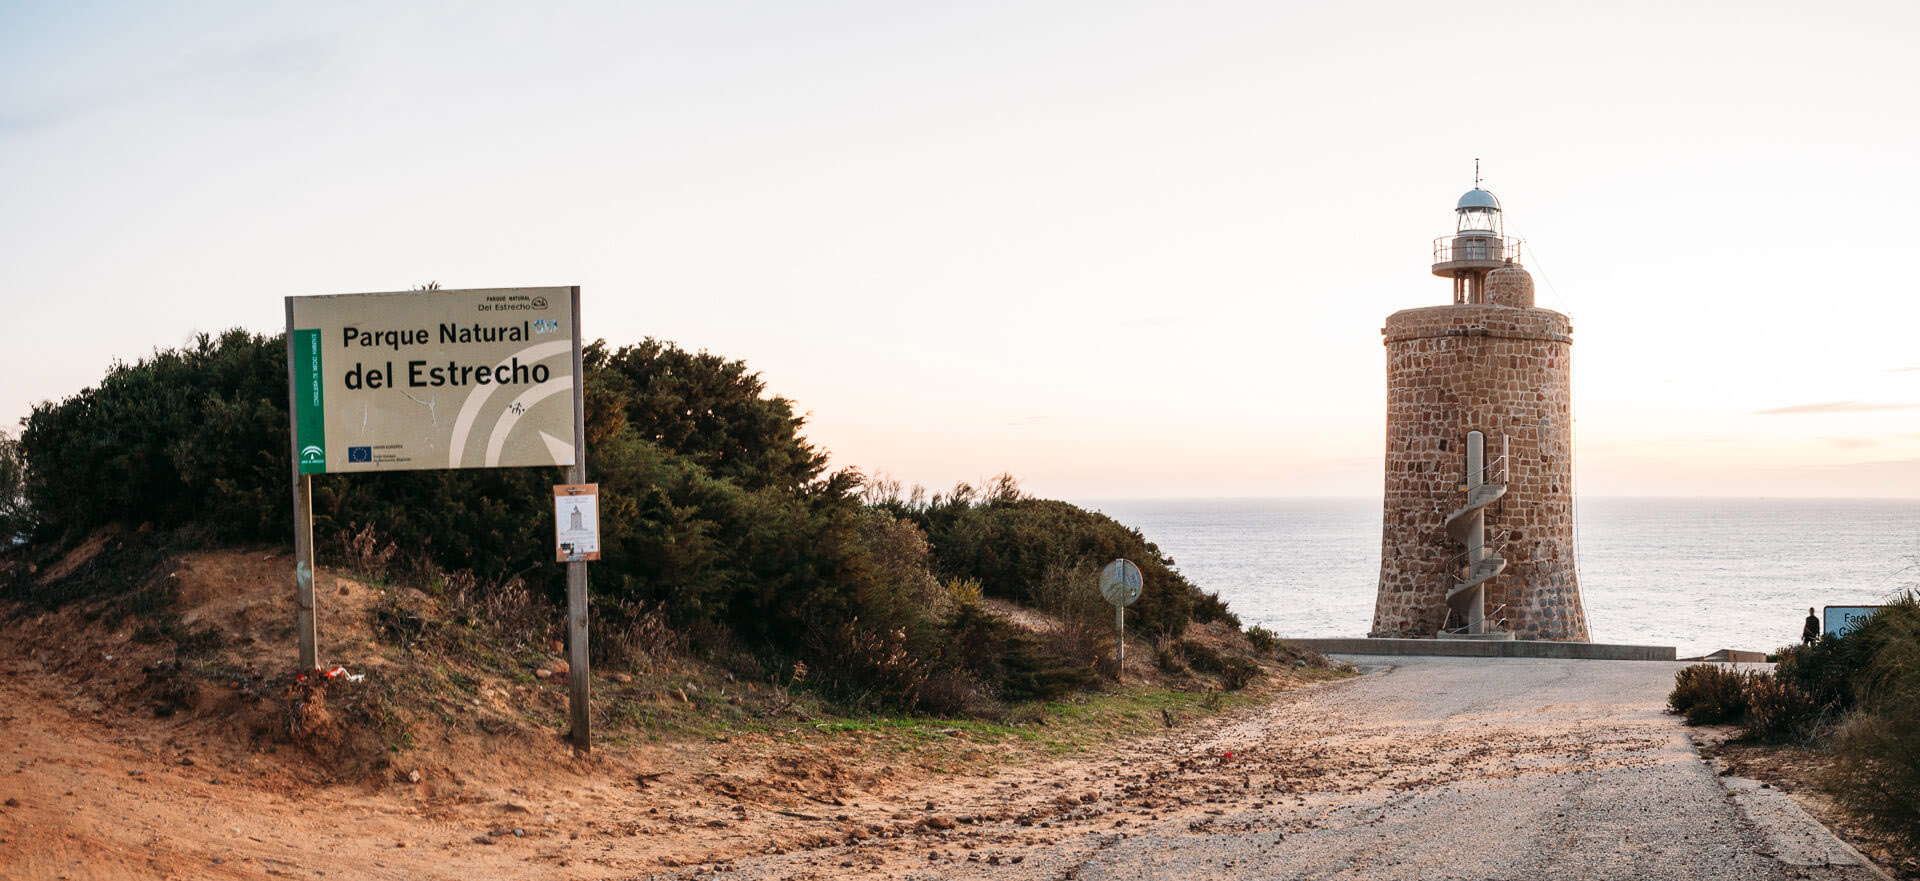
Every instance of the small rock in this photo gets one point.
(13, 802)
(938, 822)
(542, 673)
(560, 666)
(483, 839)
(519, 833)
(413, 776)
(622, 678)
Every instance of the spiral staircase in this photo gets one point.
(1467, 615)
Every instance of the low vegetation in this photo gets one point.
(727, 545)
(1857, 696)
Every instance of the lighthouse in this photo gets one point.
(1477, 517)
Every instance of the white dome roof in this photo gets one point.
(1478, 199)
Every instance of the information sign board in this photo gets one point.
(428, 380)
(1841, 619)
(576, 521)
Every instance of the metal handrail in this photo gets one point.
(1488, 468)
(1497, 622)
(1486, 545)
(1444, 252)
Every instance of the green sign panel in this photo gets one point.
(309, 397)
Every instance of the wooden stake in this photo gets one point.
(306, 629)
(580, 678)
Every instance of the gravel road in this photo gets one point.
(1436, 768)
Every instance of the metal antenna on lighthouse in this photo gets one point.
(1476, 172)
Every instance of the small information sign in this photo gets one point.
(576, 521)
(1841, 620)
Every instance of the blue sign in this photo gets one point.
(359, 454)
(1842, 619)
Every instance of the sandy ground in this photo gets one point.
(1439, 768)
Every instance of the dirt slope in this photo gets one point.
(113, 765)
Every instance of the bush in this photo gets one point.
(1709, 694)
(1201, 657)
(717, 518)
(1876, 769)
(1021, 667)
(1263, 640)
(1237, 673)
(14, 519)
(1877, 748)
(1018, 547)
(1778, 711)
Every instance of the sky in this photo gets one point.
(1118, 249)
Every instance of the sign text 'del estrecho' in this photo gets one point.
(423, 380)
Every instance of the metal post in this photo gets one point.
(1120, 654)
(580, 679)
(1476, 532)
(305, 627)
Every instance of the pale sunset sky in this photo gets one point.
(1118, 249)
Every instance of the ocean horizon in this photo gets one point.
(1696, 573)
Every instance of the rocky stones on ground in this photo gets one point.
(542, 673)
(560, 668)
(938, 822)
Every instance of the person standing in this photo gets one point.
(1810, 632)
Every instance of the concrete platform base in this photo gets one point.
(1460, 648)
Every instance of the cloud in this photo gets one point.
(1853, 443)
(1906, 370)
(1836, 407)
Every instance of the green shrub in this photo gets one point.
(1019, 666)
(196, 435)
(1201, 657)
(717, 518)
(1263, 640)
(1709, 694)
(1778, 711)
(1013, 544)
(1237, 673)
(14, 519)
(1168, 659)
(1876, 749)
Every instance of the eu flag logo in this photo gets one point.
(359, 454)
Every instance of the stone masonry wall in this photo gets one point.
(1503, 371)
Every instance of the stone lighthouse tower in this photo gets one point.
(1478, 518)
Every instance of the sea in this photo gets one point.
(1696, 574)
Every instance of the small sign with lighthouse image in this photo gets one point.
(576, 521)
